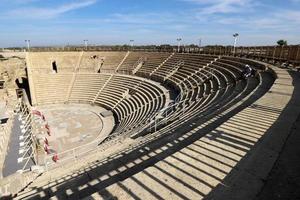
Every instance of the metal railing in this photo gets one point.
(15, 182)
(174, 69)
(28, 151)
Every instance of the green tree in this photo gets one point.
(282, 42)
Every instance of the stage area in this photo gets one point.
(74, 125)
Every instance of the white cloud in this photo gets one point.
(290, 15)
(141, 18)
(44, 13)
(241, 15)
(222, 6)
(19, 1)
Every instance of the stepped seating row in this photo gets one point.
(132, 99)
(86, 86)
(131, 61)
(216, 103)
(149, 59)
(69, 61)
(218, 89)
(92, 61)
(187, 65)
(236, 60)
(211, 91)
(138, 100)
(153, 61)
(207, 86)
(214, 99)
(43, 61)
(51, 88)
(196, 79)
(203, 83)
(101, 60)
(216, 86)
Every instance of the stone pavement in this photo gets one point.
(283, 181)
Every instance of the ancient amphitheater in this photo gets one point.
(150, 125)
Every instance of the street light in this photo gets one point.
(178, 40)
(28, 44)
(200, 44)
(236, 36)
(131, 42)
(86, 44)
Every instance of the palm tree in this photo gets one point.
(282, 42)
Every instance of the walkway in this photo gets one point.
(284, 179)
(11, 164)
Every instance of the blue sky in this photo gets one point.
(59, 22)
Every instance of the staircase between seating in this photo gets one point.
(101, 89)
(71, 86)
(122, 61)
(79, 62)
(159, 66)
(208, 64)
(74, 76)
(139, 64)
(207, 75)
(174, 69)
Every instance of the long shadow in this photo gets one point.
(107, 172)
(272, 187)
(283, 180)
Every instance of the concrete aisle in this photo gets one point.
(11, 164)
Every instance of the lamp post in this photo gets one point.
(131, 43)
(200, 44)
(178, 41)
(86, 44)
(236, 36)
(28, 44)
